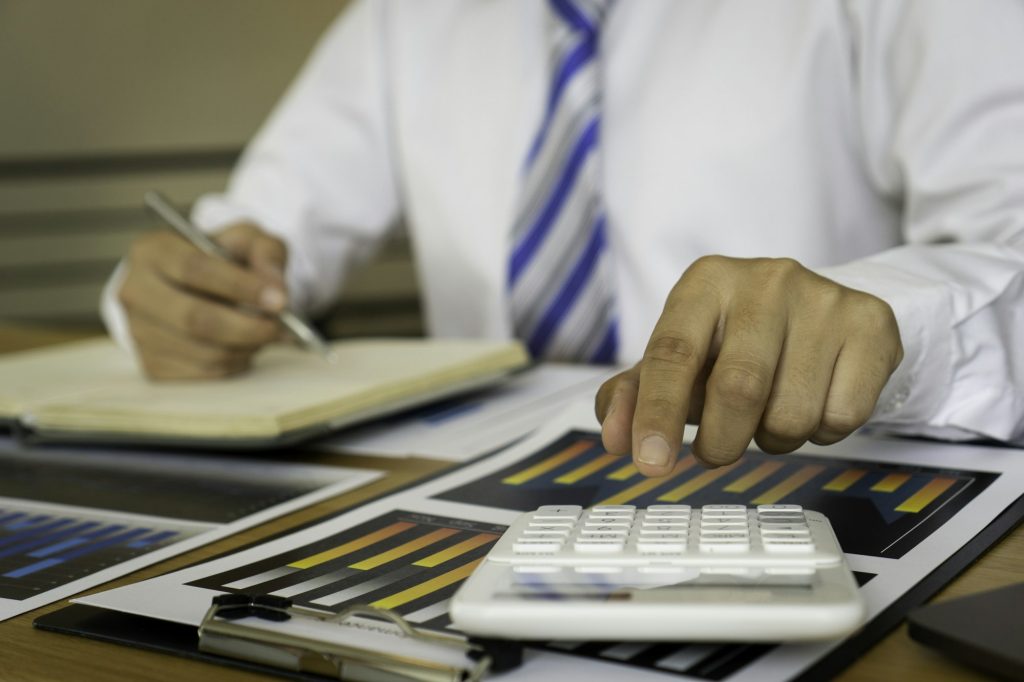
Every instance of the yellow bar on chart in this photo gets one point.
(552, 462)
(456, 550)
(648, 484)
(750, 479)
(890, 483)
(926, 495)
(593, 466)
(776, 493)
(694, 484)
(624, 473)
(353, 546)
(844, 480)
(404, 549)
(426, 587)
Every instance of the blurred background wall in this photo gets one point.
(101, 100)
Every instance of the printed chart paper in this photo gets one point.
(73, 519)
(468, 426)
(899, 509)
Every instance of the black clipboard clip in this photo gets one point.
(359, 643)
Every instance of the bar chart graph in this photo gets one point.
(409, 562)
(43, 550)
(876, 509)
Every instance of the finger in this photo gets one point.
(169, 368)
(189, 315)
(740, 383)
(264, 253)
(187, 267)
(861, 371)
(152, 338)
(675, 354)
(615, 406)
(799, 389)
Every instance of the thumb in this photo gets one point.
(263, 253)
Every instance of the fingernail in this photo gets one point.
(654, 450)
(272, 299)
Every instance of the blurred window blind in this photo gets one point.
(102, 100)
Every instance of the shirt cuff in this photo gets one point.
(112, 311)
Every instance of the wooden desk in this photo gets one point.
(29, 655)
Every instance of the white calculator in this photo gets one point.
(720, 572)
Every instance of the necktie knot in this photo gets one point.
(584, 16)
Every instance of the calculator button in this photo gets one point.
(610, 531)
(599, 569)
(727, 532)
(722, 508)
(732, 571)
(616, 521)
(789, 570)
(603, 537)
(784, 508)
(600, 547)
(722, 523)
(669, 508)
(551, 523)
(617, 509)
(670, 571)
(651, 546)
(541, 529)
(645, 536)
(551, 511)
(536, 546)
(664, 528)
(785, 530)
(788, 547)
(781, 518)
(724, 547)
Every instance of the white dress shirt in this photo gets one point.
(879, 142)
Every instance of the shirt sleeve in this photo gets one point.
(319, 174)
(941, 93)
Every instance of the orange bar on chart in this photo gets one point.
(926, 495)
(750, 479)
(428, 586)
(552, 462)
(695, 484)
(593, 466)
(648, 484)
(404, 549)
(353, 546)
(624, 473)
(456, 550)
(844, 480)
(776, 493)
(890, 483)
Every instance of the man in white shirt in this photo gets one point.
(815, 208)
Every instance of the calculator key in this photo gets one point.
(599, 569)
(649, 546)
(547, 523)
(646, 536)
(776, 508)
(789, 570)
(616, 521)
(618, 509)
(712, 522)
(669, 509)
(784, 529)
(539, 537)
(536, 546)
(727, 547)
(781, 518)
(600, 547)
(669, 571)
(727, 532)
(731, 571)
(600, 537)
(550, 511)
(664, 528)
(723, 508)
(724, 535)
(610, 531)
(540, 529)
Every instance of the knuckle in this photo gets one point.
(194, 266)
(790, 425)
(718, 456)
(743, 386)
(844, 420)
(673, 349)
(200, 322)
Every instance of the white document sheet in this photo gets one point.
(899, 508)
(74, 519)
(468, 426)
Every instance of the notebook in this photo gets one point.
(92, 391)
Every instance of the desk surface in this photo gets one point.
(31, 655)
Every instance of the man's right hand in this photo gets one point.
(194, 316)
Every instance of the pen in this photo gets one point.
(301, 329)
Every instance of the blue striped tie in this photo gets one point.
(560, 272)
